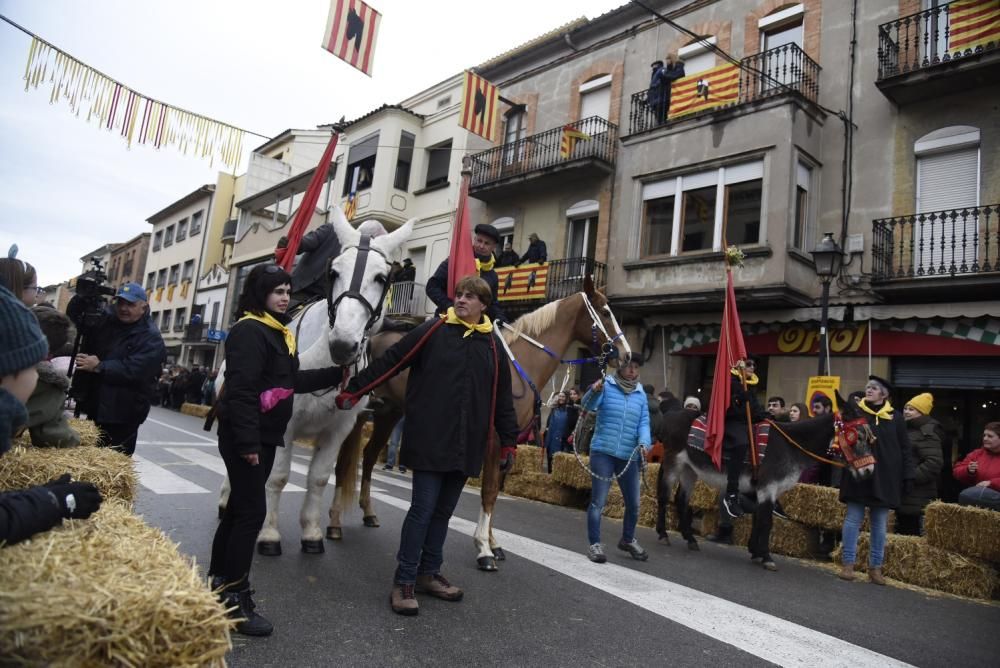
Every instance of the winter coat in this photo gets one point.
(893, 465)
(320, 246)
(46, 419)
(257, 360)
(132, 355)
(536, 252)
(508, 258)
(736, 436)
(622, 419)
(558, 427)
(988, 469)
(437, 290)
(448, 394)
(924, 433)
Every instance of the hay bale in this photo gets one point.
(90, 433)
(541, 487)
(704, 497)
(969, 531)
(814, 506)
(529, 459)
(911, 559)
(566, 470)
(110, 590)
(111, 471)
(197, 410)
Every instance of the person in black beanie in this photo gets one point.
(23, 513)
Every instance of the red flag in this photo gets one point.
(461, 259)
(731, 350)
(308, 206)
(351, 31)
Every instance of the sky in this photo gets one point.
(68, 187)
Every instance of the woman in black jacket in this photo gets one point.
(262, 373)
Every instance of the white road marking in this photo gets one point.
(407, 483)
(159, 480)
(183, 431)
(771, 638)
(214, 463)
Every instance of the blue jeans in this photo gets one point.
(984, 497)
(607, 466)
(394, 437)
(852, 528)
(421, 543)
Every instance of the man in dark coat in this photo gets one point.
(736, 439)
(536, 251)
(408, 272)
(483, 245)
(194, 382)
(124, 352)
(449, 415)
(508, 258)
(319, 246)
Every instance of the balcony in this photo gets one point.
(405, 298)
(781, 70)
(498, 171)
(935, 253)
(944, 49)
(525, 288)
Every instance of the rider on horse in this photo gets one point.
(736, 439)
(483, 245)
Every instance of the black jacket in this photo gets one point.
(437, 290)
(508, 258)
(320, 246)
(131, 360)
(536, 252)
(448, 398)
(925, 435)
(257, 360)
(736, 435)
(893, 465)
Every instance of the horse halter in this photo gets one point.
(608, 348)
(364, 247)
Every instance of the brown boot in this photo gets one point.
(875, 576)
(403, 600)
(846, 572)
(436, 585)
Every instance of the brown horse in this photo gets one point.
(557, 325)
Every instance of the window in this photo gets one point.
(403, 160)
(659, 228)
(180, 319)
(150, 280)
(165, 324)
(514, 129)
(742, 213)
(697, 56)
(161, 278)
(196, 218)
(175, 274)
(803, 184)
(215, 315)
(438, 161)
(595, 97)
(362, 157)
(698, 219)
(155, 317)
(157, 241)
(444, 101)
(779, 32)
(182, 230)
(168, 237)
(188, 271)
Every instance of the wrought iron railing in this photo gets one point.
(543, 150)
(405, 298)
(566, 277)
(782, 69)
(939, 243)
(936, 35)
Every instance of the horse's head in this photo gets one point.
(854, 438)
(359, 280)
(597, 325)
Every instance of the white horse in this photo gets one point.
(331, 332)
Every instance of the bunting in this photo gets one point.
(570, 135)
(116, 107)
(480, 105)
(712, 88)
(351, 31)
(973, 23)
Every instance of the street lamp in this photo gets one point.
(827, 258)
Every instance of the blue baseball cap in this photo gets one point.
(132, 292)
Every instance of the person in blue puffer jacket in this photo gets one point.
(622, 427)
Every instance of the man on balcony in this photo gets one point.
(660, 81)
(483, 245)
(536, 251)
(508, 258)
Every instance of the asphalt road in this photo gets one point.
(548, 605)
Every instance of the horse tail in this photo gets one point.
(346, 470)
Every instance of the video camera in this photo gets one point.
(92, 291)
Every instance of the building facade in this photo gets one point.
(127, 263)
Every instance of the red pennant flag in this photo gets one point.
(731, 350)
(307, 207)
(461, 259)
(351, 31)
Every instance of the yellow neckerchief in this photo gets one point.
(272, 322)
(451, 319)
(485, 266)
(885, 412)
(752, 380)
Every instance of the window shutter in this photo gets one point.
(948, 180)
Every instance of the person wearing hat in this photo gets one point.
(661, 79)
(736, 439)
(408, 272)
(536, 251)
(926, 435)
(884, 489)
(692, 404)
(483, 244)
(26, 512)
(120, 360)
(620, 431)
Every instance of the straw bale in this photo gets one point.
(529, 459)
(567, 471)
(90, 433)
(197, 410)
(614, 507)
(911, 559)
(541, 487)
(110, 590)
(704, 497)
(111, 471)
(820, 507)
(969, 531)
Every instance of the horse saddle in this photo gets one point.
(696, 436)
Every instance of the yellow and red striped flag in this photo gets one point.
(723, 87)
(351, 31)
(480, 104)
(972, 23)
(569, 137)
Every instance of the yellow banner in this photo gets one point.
(972, 23)
(822, 386)
(719, 85)
(525, 282)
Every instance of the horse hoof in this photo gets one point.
(334, 533)
(665, 538)
(269, 548)
(693, 546)
(499, 554)
(312, 546)
(770, 565)
(487, 564)
(370, 521)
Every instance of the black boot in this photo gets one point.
(216, 583)
(241, 606)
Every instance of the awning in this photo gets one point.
(808, 314)
(906, 311)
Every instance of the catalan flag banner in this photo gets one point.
(973, 23)
(351, 31)
(525, 282)
(480, 104)
(351, 206)
(570, 135)
(711, 88)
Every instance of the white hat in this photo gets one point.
(693, 401)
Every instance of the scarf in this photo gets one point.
(272, 322)
(485, 266)
(752, 380)
(885, 412)
(627, 386)
(451, 319)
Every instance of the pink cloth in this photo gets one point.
(270, 398)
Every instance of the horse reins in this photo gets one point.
(797, 445)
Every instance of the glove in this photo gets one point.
(908, 487)
(507, 455)
(78, 500)
(345, 401)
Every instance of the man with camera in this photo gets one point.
(119, 361)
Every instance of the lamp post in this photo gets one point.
(827, 258)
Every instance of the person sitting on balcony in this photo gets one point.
(536, 251)
(508, 258)
(408, 272)
(483, 244)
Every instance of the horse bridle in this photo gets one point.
(364, 248)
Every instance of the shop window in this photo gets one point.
(698, 56)
(438, 162)
(404, 158)
(361, 157)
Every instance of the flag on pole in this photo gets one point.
(711, 88)
(480, 105)
(461, 259)
(570, 135)
(351, 31)
(351, 207)
(307, 206)
(731, 350)
(972, 23)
